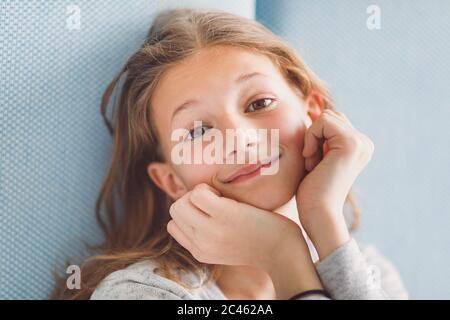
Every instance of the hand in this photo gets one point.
(218, 230)
(322, 193)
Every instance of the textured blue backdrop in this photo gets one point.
(54, 147)
(392, 83)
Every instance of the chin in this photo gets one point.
(269, 204)
(264, 195)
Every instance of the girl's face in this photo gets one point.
(219, 97)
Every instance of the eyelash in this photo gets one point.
(262, 99)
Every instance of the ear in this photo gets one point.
(315, 105)
(166, 179)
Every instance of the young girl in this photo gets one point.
(225, 231)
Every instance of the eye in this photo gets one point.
(259, 104)
(197, 132)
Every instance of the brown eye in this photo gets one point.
(259, 104)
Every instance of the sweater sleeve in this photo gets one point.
(349, 273)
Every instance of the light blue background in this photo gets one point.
(54, 146)
(392, 83)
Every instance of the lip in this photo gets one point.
(250, 170)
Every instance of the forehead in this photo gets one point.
(215, 63)
(210, 70)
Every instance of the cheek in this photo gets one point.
(292, 124)
(193, 174)
(292, 127)
(292, 134)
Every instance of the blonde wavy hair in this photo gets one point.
(131, 210)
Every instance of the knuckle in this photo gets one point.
(176, 206)
(203, 185)
(200, 186)
(341, 115)
(368, 143)
(197, 191)
(326, 114)
(371, 145)
(172, 209)
(353, 143)
(366, 147)
(194, 194)
(371, 149)
(169, 227)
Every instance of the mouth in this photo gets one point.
(252, 170)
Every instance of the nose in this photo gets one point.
(241, 140)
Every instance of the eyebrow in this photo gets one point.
(239, 80)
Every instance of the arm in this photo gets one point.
(273, 243)
(346, 275)
(335, 154)
(385, 272)
(351, 273)
(292, 270)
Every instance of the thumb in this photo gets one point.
(206, 186)
(207, 199)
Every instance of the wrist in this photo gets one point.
(292, 270)
(326, 229)
(293, 278)
(311, 293)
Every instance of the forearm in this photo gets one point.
(342, 269)
(292, 271)
(326, 228)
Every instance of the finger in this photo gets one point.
(312, 161)
(208, 200)
(344, 118)
(326, 148)
(187, 216)
(207, 187)
(326, 127)
(179, 236)
(313, 139)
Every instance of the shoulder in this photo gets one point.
(139, 281)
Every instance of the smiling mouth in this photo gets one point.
(252, 172)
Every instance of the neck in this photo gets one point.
(247, 282)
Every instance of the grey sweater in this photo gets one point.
(349, 272)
